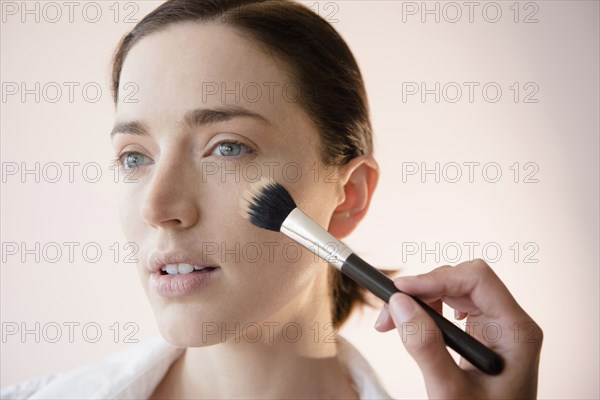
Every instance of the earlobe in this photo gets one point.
(359, 179)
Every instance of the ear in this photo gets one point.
(358, 178)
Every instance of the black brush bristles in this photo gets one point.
(267, 204)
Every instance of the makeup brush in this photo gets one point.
(268, 205)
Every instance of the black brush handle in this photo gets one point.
(464, 344)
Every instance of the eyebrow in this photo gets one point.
(193, 118)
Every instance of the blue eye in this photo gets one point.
(231, 149)
(131, 160)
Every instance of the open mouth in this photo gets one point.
(184, 269)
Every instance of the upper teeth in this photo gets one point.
(181, 268)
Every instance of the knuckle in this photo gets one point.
(539, 333)
(481, 267)
(442, 269)
(417, 347)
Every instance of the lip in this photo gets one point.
(180, 285)
(158, 260)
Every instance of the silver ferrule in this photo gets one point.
(301, 228)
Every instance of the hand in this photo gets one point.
(492, 315)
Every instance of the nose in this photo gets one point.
(171, 199)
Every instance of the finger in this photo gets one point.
(459, 315)
(437, 306)
(424, 341)
(385, 322)
(470, 286)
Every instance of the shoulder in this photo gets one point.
(130, 373)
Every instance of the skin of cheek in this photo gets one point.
(278, 283)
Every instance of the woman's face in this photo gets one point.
(202, 114)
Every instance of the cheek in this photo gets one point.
(129, 200)
(249, 252)
(265, 269)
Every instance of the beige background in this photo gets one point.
(557, 216)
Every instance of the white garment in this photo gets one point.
(135, 372)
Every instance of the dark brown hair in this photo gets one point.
(322, 65)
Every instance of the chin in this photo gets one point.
(180, 339)
(187, 332)
(190, 325)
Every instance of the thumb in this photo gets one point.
(424, 342)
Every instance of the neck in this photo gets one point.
(280, 369)
(293, 358)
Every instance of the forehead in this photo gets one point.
(198, 65)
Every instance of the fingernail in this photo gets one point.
(402, 307)
(379, 321)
